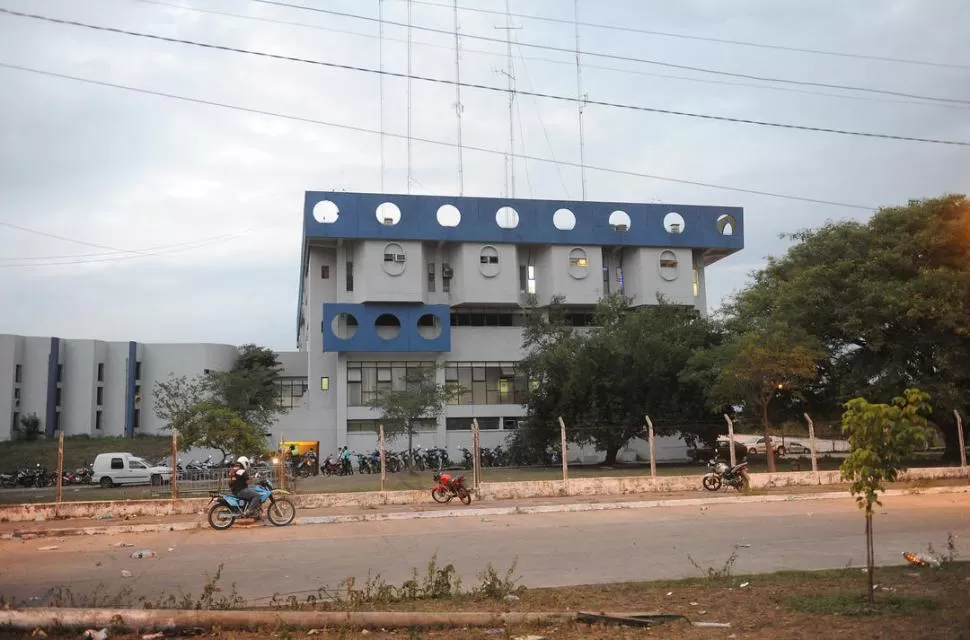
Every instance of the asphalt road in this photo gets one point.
(551, 550)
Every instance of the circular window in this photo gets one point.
(578, 263)
(389, 214)
(325, 212)
(726, 225)
(448, 215)
(620, 221)
(674, 223)
(394, 260)
(429, 326)
(507, 218)
(388, 326)
(564, 220)
(488, 262)
(344, 326)
(669, 267)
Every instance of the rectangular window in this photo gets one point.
(291, 392)
(350, 275)
(100, 396)
(697, 283)
(668, 263)
(137, 418)
(362, 426)
(97, 420)
(325, 272)
(17, 373)
(367, 380)
(15, 422)
(60, 372)
(100, 372)
(606, 280)
(57, 421)
(138, 371)
(117, 463)
(16, 393)
(510, 424)
(137, 392)
(523, 278)
(325, 383)
(532, 279)
(458, 424)
(57, 396)
(384, 374)
(431, 277)
(488, 259)
(487, 383)
(488, 424)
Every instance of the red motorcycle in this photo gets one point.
(449, 488)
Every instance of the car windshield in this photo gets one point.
(140, 461)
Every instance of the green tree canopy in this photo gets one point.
(888, 299)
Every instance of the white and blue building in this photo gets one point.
(393, 282)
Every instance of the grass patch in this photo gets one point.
(854, 604)
(79, 450)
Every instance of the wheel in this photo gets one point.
(221, 517)
(712, 482)
(156, 480)
(106, 483)
(281, 512)
(441, 495)
(464, 496)
(305, 472)
(752, 451)
(745, 484)
(781, 450)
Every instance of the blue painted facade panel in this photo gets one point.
(130, 390)
(366, 338)
(53, 358)
(357, 219)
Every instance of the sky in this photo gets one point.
(148, 218)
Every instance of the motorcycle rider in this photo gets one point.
(345, 460)
(239, 485)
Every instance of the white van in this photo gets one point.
(112, 469)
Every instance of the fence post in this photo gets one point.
(175, 465)
(730, 424)
(383, 464)
(963, 445)
(565, 458)
(811, 439)
(60, 465)
(476, 459)
(653, 452)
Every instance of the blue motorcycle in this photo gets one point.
(226, 508)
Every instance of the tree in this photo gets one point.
(886, 298)
(214, 426)
(419, 398)
(32, 427)
(881, 436)
(224, 410)
(604, 380)
(754, 367)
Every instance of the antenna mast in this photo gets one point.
(458, 106)
(380, 54)
(410, 5)
(510, 77)
(580, 100)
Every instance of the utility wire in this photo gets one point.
(612, 56)
(617, 105)
(743, 43)
(553, 61)
(441, 143)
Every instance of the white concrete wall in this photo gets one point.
(11, 352)
(555, 276)
(488, 284)
(375, 283)
(642, 279)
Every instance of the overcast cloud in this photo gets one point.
(223, 190)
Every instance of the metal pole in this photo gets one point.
(963, 446)
(60, 464)
(565, 458)
(383, 463)
(730, 424)
(653, 452)
(175, 465)
(476, 459)
(811, 439)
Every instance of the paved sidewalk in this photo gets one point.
(337, 515)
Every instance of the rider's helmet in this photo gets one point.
(244, 461)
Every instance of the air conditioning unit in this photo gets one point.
(389, 221)
(620, 227)
(675, 227)
(447, 272)
(399, 257)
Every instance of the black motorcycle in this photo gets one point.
(722, 473)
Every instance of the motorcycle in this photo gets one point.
(227, 508)
(720, 473)
(449, 488)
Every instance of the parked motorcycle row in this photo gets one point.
(721, 473)
(38, 477)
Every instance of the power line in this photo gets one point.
(617, 105)
(553, 61)
(612, 56)
(743, 43)
(442, 143)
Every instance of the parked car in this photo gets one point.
(722, 451)
(781, 447)
(112, 469)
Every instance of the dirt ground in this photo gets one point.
(911, 603)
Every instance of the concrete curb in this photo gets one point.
(473, 512)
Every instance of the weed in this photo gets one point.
(713, 573)
(944, 558)
(858, 604)
(492, 585)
